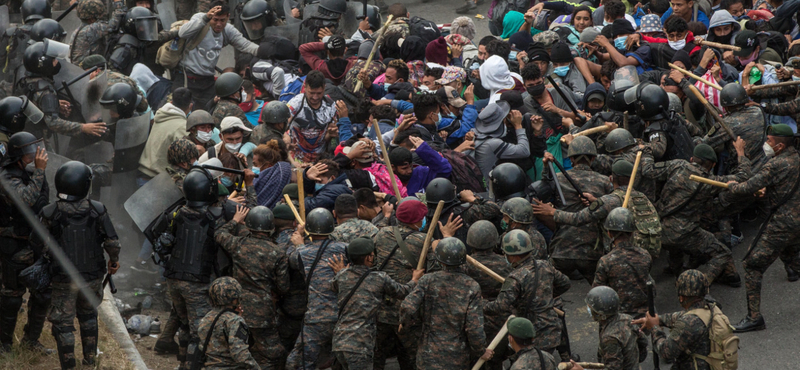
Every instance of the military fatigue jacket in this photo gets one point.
(398, 267)
(321, 306)
(353, 228)
(228, 348)
(687, 334)
(626, 269)
(747, 123)
(618, 349)
(529, 358)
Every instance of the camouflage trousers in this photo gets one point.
(768, 248)
(354, 361)
(68, 303)
(314, 337)
(191, 303)
(389, 342)
(288, 330)
(703, 246)
(586, 268)
(267, 349)
(19, 257)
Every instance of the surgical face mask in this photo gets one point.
(561, 71)
(203, 136)
(244, 96)
(677, 45)
(619, 42)
(226, 182)
(503, 225)
(606, 23)
(318, 186)
(256, 170)
(452, 115)
(795, 78)
(749, 59)
(196, 163)
(424, 222)
(233, 148)
(768, 151)
(537, 90)
(386, 86)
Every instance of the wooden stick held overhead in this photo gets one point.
(585, 365)
(485, 269)
(495, 342)
(696, 77)
(708, 181)
(590, 131)
(720, 46)
(301, 195)
(294, 210)
(771, 86)
(388, 164)
(429, 238)
(712, 110)
(372, 53)
(632, 180)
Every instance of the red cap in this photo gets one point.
(411, 211)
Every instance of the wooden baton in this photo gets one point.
(696, 77)
(429, 237)
(708, 181)
(485, 269)
(712, 110)
(585, 365)
(632, 180)
(372, 52)
(720, 46)
(496, 341)
(779, 84)
(588, 132)
(294, 210)
(301, 195)
(388, 164)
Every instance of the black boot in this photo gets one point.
(733, 281)
(38, 303)
(9, 309)
(88, 323)
(791, 274)
(65, 343)
(748, 324)
(166, 348)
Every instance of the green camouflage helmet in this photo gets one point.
(182, 151)
(618, 139)
(517, 242)
(582, 145)
(91, 10)
(451, 252)
(224, 291)
(620, 219)
(360, 247)
(603, 301)
(518, 210)
(692, 283)
(482, 235)
(197, 118)
(522, 328)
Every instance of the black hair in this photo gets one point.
(401, 67)
(315, 80)
(582, 8)
(661, 6)
(359, 260)
(232, 130)
(486, 40)
(614, 9)
(500, 48)
(794, 50)
(622, 180)
(224, 9)
(345, 206)
(436, 73)
(400, 156)
(398, 10)
(181, 98)
(697, 28)
(522, 342)
(248, 86)
(608, 69)
(401, 137)
(365, 197)
(530, 72)
(675, 24)
(424, 104)
(361, 111)
(380, 112)
(333, 168)
(727, 4)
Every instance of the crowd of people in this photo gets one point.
(356, 189)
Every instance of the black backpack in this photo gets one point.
(424, 29)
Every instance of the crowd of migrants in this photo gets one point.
(344, 195)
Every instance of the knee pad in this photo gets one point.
(10, 304)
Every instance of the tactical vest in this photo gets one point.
(125, 53)
(648, 225)
(679, 142)
(195, 251)
(10, 216)
(79, 237)
(18, 38)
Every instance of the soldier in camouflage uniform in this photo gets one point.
(521, 336)
(576, 248)
(683, 201)
(229, 91)
(478, 209)
(225, 330)
(626, 269)
(482, 238)
(619, 340)
(99, 61)
(274, 118)
(360, 294)
(746, 122)
(84, 230)
(291, 305)
(518, 215)
(321, 313)
(688, 334)
(620, 144)
(788, 107)
(32, 188)
(448, 305)
(349, 225)
(530, 290)
(15, 39)
(778, 234)
(262, 267)
(398, 260)
(90, 37)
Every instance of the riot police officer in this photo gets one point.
(14, 112)
(83, 229)
(668, 136)
(15, 39)
(16, 254)
(256, 16)
(327, 15)
(189, 249)
(140, 36)
(48, 29)
(474, 209)
(506, 181)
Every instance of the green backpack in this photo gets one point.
(648, 224)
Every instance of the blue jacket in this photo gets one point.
(468, 118)
(701, 17)
(437, 166)
(326, 196)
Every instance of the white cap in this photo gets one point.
(231, 122)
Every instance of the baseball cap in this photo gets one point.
(366, 158)
(232, 122)
(747, 41)
(450, 95)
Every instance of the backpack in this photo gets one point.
(502, 7)
(292, 89)
(466, 174)
(724, 354)
(775, 41)
(171, 52)
(647, 222)
(424, 29)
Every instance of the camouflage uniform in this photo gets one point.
(626, 269)
(778, 236)
(576, 247)
(747, 123)
(787, 108)
(90, 38)
(228, 108)
(688, 334)
(682, 203)
(45, 86)
(388, 339)
(602, 164)
(321, 313)
(490, 288)
(227, 346)
(264, 132)
(116, 77)
(448, 305)
(530, 358)
(354, 335)
(291, 305)
(262, 270)
(618, 348)
(529, 292)
(353, 228)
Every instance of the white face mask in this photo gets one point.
(233, 148)
(203, 136)
(768, 151)
(677, 45)
(244, 96)
(795, 78)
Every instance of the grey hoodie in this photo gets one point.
(202, 60)
(722, 17)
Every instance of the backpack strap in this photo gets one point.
(403, 247)
(212, 152)
(352, 291)
(316, 261)
(541, 359)
(200, 360)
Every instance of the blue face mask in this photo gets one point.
(256, 170)
(619, 42)
(452, 115)
(196, 163)
(512, 55)
(439, 119)
(386, 86)
(561, 71)
(226, 182)
(424, 222)
(318, 186)
(606, 23)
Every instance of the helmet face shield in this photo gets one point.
(31, 111)
(30, 149)
(255, 27)
(630, 95)
(110, 114)
(55, 49)
(147, 29)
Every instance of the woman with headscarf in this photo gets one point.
(270, 163)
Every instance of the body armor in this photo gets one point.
(17, 40)
(194, 251)
(80, 240)
(9, 215)
(679, 141)
(126, 53)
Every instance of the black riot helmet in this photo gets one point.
(733, 95)
(47, 29)
(261, 219)
(650, 100)
(507, 180)
(73, 181)
(256, 16)
(35, 10)
(15, 111)
(21, 144)
(199, 187)
(227, 84)
(374, 15)
(331, 9)
(320, 221)
(120, 99)
(440, 189)
(38, 58)
(142, 23)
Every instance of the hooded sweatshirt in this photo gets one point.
(169, 125)
(721, 18)
(496, 77)
(591, 89)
